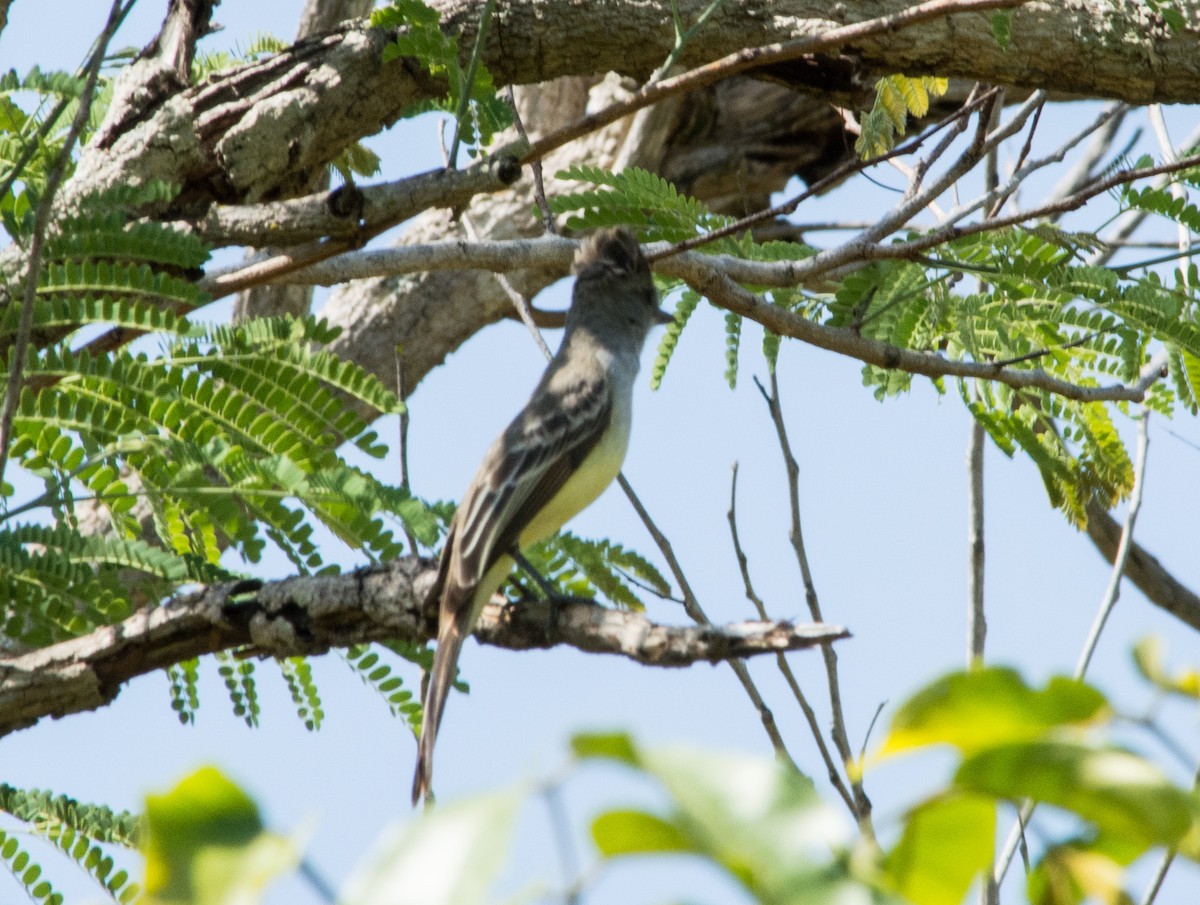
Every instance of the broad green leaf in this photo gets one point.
(636, 832)
(763, 823)
(450, 855)
(1124, 795)
(947, 842)
(206, 844)
(977, 709)
(606, 745)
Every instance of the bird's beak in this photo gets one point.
(663, 317)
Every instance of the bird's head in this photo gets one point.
(613, 285)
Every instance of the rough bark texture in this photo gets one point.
(304, 616)
(264, 131)
(319, 16)
(267, 131)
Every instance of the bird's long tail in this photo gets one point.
(441, 677)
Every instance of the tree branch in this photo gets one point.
(310, 615)
(714, 276)
(253, 132)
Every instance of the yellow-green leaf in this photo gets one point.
(977, 709)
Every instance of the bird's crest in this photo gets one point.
(610, 252)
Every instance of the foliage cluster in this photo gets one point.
(200, 447)
(759, 823)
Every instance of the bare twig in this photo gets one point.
(1178, 192)
(520, 303)
(1130, 221)
(691, 606)
(485, 19)
(1111, 594)
(402, 393)
(993, 180)
(539, 179)
(1081, 171)
(1164, 865)
(785, 669)
(841, 740)
(954, 122)
(41, 224)
(976, 614)
(1118, 570)
(564, 841)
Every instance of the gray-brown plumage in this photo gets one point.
(552, 461)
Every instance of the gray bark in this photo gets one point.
(262, 131)
(308, 615)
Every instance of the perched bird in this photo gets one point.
(552, 461)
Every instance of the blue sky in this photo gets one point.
(884, 503)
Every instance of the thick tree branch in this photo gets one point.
(252, 133)
(351, 214)
(304, 616)
(717, 278)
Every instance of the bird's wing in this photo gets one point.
(524, 470)
(535, 458)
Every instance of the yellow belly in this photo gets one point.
(590, 479)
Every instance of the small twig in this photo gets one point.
(843, 171)
(1111, 594)
(1021, 173)
(1080, 173)
(564, 842)
(827, 261)
(1178, 192)
(994, 175)
(841, 740)
(539, 179)
(976, 613)
(1168, 858)
(1039, 353)
(1130, 221)
(468, 87)
(520, 303)
(41, 223)
(989, 889)
(646, 586)
(316, 880)
(1160, 874)
(862, 749)
(1164, 738)
(692, 607)
(810, 716)
(975, 98)
(402, 392)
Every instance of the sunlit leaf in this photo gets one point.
(977, 709)
(1150, 656)
(206, 844)
(629, 832)
(946, 843)
(1123, 795)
